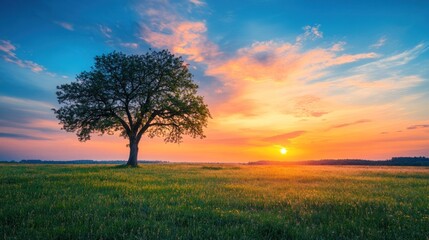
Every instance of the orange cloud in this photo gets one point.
(350, 124)
(276, 61)
(265, 72)
(418, 126)
(167, 30)
(307, 105)
(284, 137)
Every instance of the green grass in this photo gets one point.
(209, 201)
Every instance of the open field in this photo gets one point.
(213, 201)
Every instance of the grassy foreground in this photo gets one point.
(192, 201)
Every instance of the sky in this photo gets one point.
(322, 79)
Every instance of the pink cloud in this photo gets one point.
(7, 47)
(337, 47)
(183, 37)
(166, 29)
(197, 2)
(25, 64)
(10, 56)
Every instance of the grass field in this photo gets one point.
(204, 201)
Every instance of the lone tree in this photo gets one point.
(149, 94)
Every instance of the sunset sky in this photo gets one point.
(323, 79)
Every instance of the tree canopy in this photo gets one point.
(151, 94)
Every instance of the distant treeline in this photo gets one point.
(395, 161)
(38, 161)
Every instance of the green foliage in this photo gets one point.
(134, 94)
(179, 201)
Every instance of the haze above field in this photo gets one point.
(332, 79)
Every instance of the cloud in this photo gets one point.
(25, 64)
(395, 60)
(367, 86)
(338, 47)
(351, 123)
(106, 31)
(65, 25)
(167, 30)
(279, 61)
(198, 3)
(21, 136)
(7, 47)
(284, 137)
(130, 45)
(257, 140)
(418, 126)
(307, 106)
(24, 116)
(379, 43)
(310, 32)
(264, 73)
(9, 55)
(22, 102)
(375, 82)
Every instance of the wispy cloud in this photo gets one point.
(129, 45)
(311, 33)
(65, 25)
(20, 110)
(7, 47)
(379, 43)
(12, 101)
(395, 60)
(418, 126)
(105, 30)
(21, 136)
(9, 55)
(283, 138)
(197, 2)
(350, 123)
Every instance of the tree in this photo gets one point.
(149, 94)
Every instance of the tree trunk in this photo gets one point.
(134, 150)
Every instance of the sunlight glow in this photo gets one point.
(283, 151)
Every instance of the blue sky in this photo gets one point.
(329, 70)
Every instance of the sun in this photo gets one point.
(283, 151)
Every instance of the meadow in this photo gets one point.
(213, 201)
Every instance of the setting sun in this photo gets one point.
(283, 150)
